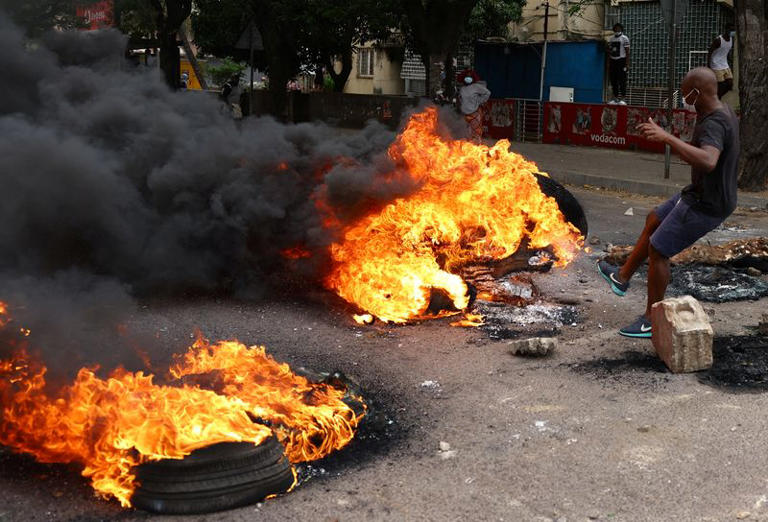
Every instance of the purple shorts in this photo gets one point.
(681, 226)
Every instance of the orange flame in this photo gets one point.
(363, 318)
(474, 203)
(470, 321)
(111, 425)
(296, 252)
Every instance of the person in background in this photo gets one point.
(472, 95)
(618, 63)
(686, 217)
(230, 95)
(717, 60)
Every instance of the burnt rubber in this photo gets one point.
(569, 205)
(214, 478)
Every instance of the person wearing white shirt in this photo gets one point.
(717, 60)
(618, 63)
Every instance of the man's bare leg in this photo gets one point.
(658, 278)
(640, 252)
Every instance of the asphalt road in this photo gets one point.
(597, 431)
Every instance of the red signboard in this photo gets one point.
(97, 15)
(611, 125)
(499, 118)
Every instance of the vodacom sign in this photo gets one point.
(97, 15)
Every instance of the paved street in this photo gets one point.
(597, 431)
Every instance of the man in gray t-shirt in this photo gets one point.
(676, 224)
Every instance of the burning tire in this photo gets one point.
(214, 478)
(569, 205)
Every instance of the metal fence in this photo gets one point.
(644, 25)
(651, 97)
(529, 120)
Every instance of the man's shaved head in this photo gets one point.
(701, 78)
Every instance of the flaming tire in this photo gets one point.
(567, 202)
(214, 478)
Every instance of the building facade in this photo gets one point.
(645, 25)
(375, 70)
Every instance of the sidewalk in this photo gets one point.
(636, 172)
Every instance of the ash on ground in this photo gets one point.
(633, 368)
(740, 362)
(503, 321)
(715, 284)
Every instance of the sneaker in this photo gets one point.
(611, 274)
(622, 102)
(613, 102)
(640, 328)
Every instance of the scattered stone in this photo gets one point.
(754, 272)
(741, 515)
(432, 385)
(445, 451)
(645, 428)
(538, 346)
(594, 240)
(682, 335)
(629, 212)
(762, 326)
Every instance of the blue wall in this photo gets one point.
(513, 70)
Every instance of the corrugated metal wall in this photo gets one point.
(513, 70)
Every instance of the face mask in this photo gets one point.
(468, 80)
(732, 34)
(617, 34)
(695, 99)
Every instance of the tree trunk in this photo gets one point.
(450, 77)
(340, 78)
(752, 39)
(282, 54)
(169, 18)
(170, 59)
(434, 76)
(436, 27)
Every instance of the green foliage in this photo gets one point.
(218, 24)
(39, 16)
(492, 17)
(223, 71)
(136, 18)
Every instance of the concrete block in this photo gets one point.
(682, 335)
(536, 346)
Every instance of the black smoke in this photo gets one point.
(107, 171)
(113, 187)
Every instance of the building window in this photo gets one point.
(365, 62)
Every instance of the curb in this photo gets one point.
(647, 188)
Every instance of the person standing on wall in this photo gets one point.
(618, 64)
(717, 60)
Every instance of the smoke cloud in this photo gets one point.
(112, 186)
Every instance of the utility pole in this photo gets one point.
(544, 51)
(671, 56)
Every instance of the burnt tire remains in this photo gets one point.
(218, 477)
(569, 205)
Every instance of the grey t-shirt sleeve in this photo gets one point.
(713, 133)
